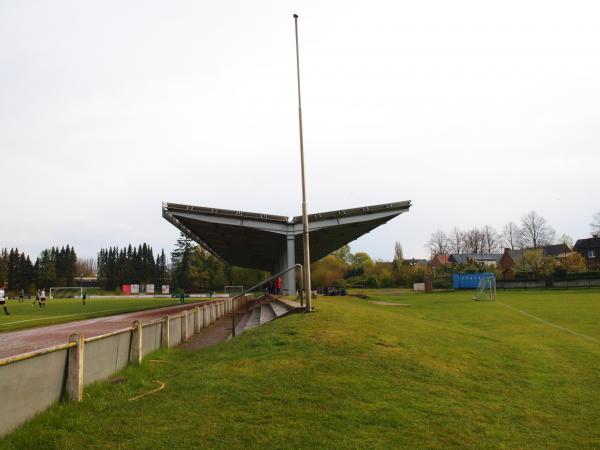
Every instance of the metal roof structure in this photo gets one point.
(270, 242)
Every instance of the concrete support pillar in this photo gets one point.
(136, 343)
(184, 326)
(197, 323)
(289, 279)
(165, 340)
(75, 369)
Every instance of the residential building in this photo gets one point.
(590, 250)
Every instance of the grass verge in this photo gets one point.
(444, 372)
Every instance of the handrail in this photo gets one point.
(256, 286)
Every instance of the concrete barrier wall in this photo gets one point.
(29, 387)
(576, 283)
(175, 331)
(537, 284)
(31, 383)
(151, 336)
(104, 357)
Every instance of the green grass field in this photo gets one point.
(27, 315)
(437, 371)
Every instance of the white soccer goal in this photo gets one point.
(66, 292)
(235, 290)
(486, 289)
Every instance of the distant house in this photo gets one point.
(590, 250)
(557, 250)
(483, 259)
(440, 261)
(508, 263)
(416, 262)
(512, 261)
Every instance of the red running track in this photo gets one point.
(14, 343)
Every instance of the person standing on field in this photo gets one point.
(43, 298)
(3, 302)
(21, 295)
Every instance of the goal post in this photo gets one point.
(486, 289)
(233, 290)
(66, 292)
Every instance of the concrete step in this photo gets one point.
(290, 303)
(279, 308)
(266, 313)
(239, 328)
(254, 319)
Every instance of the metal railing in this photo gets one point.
(262, 283)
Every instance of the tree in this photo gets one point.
(535, 231)
(456, 241)
(181, 260)
(596, 224)
(438, 244)
(490, 240)
(343, 253)
(575, 262)
(511, 236)
(538, 264)
(328, 271)
(398, 253)
(474, 241)
(566, 239)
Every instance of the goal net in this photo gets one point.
(66, 292)
(233, 290)
(486, 289)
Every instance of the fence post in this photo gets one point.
(136, 343)
(197, 324)
(204, 317)
(75, 369)
(165, 337)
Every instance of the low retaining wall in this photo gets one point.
(540, 284)
(34, 381)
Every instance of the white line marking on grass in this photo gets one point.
(545, 322)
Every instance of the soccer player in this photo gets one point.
(42, 298)
(3, 302)
(21, 295)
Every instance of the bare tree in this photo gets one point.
(438, 243)
(511, 236)
(398, 253)
(596, 224)
(565, 239)
(535, 231)
(473, 240)
(456, 242)
(491, 240)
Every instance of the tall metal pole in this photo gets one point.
(307, 285)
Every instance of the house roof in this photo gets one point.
(585, 244)
(556, 249)
(441, 259)
(480, 257)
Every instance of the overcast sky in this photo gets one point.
(476, 111)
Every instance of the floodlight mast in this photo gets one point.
(305, 239)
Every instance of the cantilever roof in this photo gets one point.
(258, 240)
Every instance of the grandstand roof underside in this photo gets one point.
(257, 240)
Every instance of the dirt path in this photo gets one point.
(18, 342)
